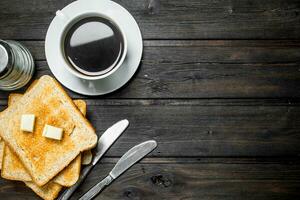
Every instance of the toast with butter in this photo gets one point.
(42, 157)
(13, 169)
(1, 142)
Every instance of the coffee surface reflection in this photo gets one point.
(93, 46)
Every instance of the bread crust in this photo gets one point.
(76, 115)
(14, 170)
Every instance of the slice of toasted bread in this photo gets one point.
(42, 157)
(13, 169)
(48, 192)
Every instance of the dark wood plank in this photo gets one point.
(193, 128)
(207, 51)
(171, 19)
(159, 179)
(208, 69)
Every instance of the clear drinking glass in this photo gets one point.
(16, 65)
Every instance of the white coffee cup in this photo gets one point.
(66, 23)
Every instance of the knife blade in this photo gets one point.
(104, 143)
(108, 138)
(131, 157)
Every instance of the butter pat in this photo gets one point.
(52, 132)
(27, 122)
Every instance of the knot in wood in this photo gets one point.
(153, 6)
(161, 181)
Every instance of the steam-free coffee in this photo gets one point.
(93, 46)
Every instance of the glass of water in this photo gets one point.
(16, 65)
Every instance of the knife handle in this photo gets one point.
(68, 192)
(97, 188)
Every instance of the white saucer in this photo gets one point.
(118, 78)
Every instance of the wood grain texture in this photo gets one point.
(230, 51)
(192, 128)
(170, 19)
(218, 88)
(193, 179)
(207, 69)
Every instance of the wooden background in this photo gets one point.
(218, 88)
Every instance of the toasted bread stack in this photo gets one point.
(45, 165)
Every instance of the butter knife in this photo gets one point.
(131, 157)
(104, 143)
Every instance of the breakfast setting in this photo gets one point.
(46, 140)
(149, 99)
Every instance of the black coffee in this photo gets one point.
(93, 45)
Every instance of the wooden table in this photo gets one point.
(218, 88)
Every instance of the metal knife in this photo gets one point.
(131, 157)
(104, 142)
